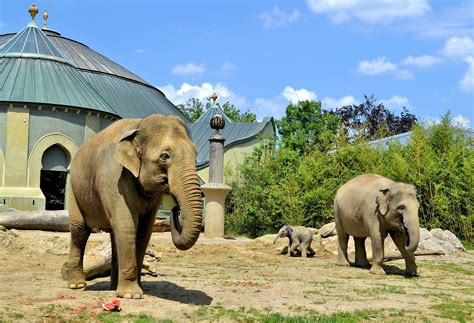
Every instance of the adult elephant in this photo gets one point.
(373, 206)
(118, 178)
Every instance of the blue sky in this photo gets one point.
(261, 55)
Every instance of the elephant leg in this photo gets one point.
(360, 253)
(342, 258)
(311, 250)
(304, 249)
(114, 267)
(377, 255)
(410, 265)
(124, 226)
(293, 249)
(145, 229)
(79, 235)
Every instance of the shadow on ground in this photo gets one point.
(164, 290)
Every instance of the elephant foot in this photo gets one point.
(76, 281)
(377, 270)
(343, 263)
(411, 272)
(131, 292)
(362, 264)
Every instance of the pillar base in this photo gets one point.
(214, 213)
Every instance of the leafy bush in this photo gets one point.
(279, 185)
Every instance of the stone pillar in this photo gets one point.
(215, 190)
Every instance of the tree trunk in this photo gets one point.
(36, 220)
(98, 262)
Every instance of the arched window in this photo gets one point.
(55, 162)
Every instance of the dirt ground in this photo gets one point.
(233, 280)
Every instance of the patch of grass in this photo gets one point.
(7, 315)
(455, 309)
(219, 313)
(453, 268)
(110, 317)
(380, 289)
(468, 245)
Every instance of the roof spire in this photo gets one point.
(33, 10)
(45, 18)
(214, 97)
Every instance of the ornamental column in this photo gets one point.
(215, 190)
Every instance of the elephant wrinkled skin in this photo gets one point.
(373, 206)
(298, 237)
(118, 178)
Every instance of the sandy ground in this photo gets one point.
(230, 274)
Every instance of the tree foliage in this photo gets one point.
(370, 120)
(194, 108)
(277, 185)
(306, 127)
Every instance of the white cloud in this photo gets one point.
(265, 107)
(186, 91)
(276, 106)
(332, 104)
(396, 102)
(457, 121)
(139, 51)
(188, 69)
(371, 11)
(462, 49)
(461, 122)
(456, 47)
(404, 75)
(451, 20)
(278, 18)
(294, 96)
(467, 82)
(379, 65)
(421, 61)
(228, 67)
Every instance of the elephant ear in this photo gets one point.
(127, 154)
(382, 201)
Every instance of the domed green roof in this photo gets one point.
(40, 66)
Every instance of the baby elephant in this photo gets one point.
(298, 237)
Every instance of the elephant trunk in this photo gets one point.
(186, 189)
(277, 236)
(412, 227)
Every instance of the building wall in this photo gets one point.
(26, 132)
(45, 121)
(3, 126)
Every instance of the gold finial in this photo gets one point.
(33, 10)
(214, 97)
(45, 17)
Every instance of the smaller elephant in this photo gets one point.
(298, 237)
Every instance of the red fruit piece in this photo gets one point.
(116, 302)
(108, 306)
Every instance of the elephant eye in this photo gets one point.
(165, 156)
(401, 208)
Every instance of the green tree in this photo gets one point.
(306, 127)
(192, 109)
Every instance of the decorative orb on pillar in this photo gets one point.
(215, 190)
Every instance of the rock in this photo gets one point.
(161, 225)
(449, 238)
(326, 229)
(268, 239)
(330, 244)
